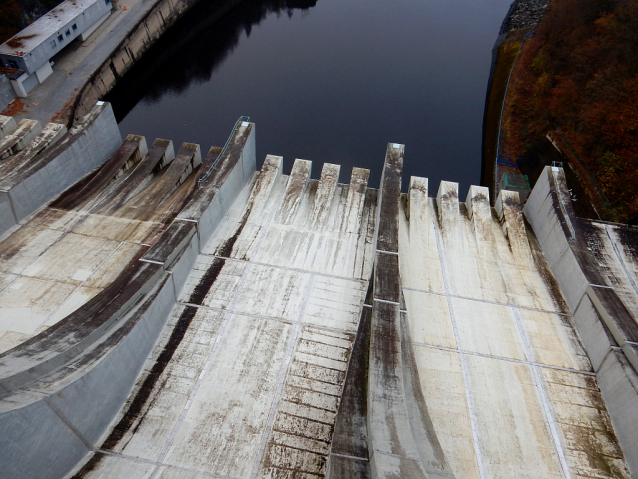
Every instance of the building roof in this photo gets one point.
(43, 28)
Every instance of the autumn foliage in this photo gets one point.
(578, 74)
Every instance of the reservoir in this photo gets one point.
(328, 81)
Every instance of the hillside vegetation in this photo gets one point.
(578, 75)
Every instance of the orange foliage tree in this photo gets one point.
(579, 75)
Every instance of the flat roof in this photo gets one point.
(44, 27)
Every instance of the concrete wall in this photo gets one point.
(7, 93)
(72, 406)
(85, 148)
(148, 30)
(606, 329)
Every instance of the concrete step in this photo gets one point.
(20, 138)
(7, 125)
(160, 154)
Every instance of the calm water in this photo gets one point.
(332, 82)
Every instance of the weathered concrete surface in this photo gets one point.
(50, 164)
(595, 265)
(266, 324)
(507, 383)
(305, 328)
(64, 386)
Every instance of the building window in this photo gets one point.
(13, 64)
(67, 33)
(75, 26)
(53, 44)
(60, 38)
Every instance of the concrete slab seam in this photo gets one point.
(464, 372)
(386, 301)
(282, 379)
(79, 286)
(202, 374)
(387, 252)
(160, 464)
(66, 421)
(154, 262)
(622, 262)
(503, 358)
(486, 301)
(285, 268)
(354, 458)
(609, 351)
(549, 416)
(269, 318)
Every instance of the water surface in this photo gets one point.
(333, 81)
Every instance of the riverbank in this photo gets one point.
(85, 71)
(521, 18)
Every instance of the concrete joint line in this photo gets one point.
(282, 379)
(609, 351)
(153, 262)
(202, 374)
(601, 286)
(160, 464)
(502, 358)
(67, 423)
(269, 318)
(560, 255)
(527, 308)
(622, 262)
(187, 220)
(354, 458)
(50, 315)
(285, 268)
(549, 416)
(382, 251)
(464, 371)
(386, 301)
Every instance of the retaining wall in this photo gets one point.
(608, 331)
(85, 147)
(159, 19)
(70, 387)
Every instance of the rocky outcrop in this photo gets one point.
(523, 13)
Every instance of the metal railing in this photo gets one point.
(238, 123)
(500, 121)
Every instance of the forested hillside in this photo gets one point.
(17, 14)
(578, 75)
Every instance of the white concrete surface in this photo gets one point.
(509, 387)
(275, 297)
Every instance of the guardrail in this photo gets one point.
(240, 121)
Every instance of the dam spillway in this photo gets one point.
(273, 325)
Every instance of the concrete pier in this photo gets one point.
(201, 319)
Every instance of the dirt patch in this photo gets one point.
(16, 42)
(15, 107)
(64, 113)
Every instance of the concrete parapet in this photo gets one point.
(604, 319)
(18, 140)
(52, 170)
(7, 125)
(66, 385)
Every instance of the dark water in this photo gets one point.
(332, 82)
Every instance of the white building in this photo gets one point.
(29, 52)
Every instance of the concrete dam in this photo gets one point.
(172, 313)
